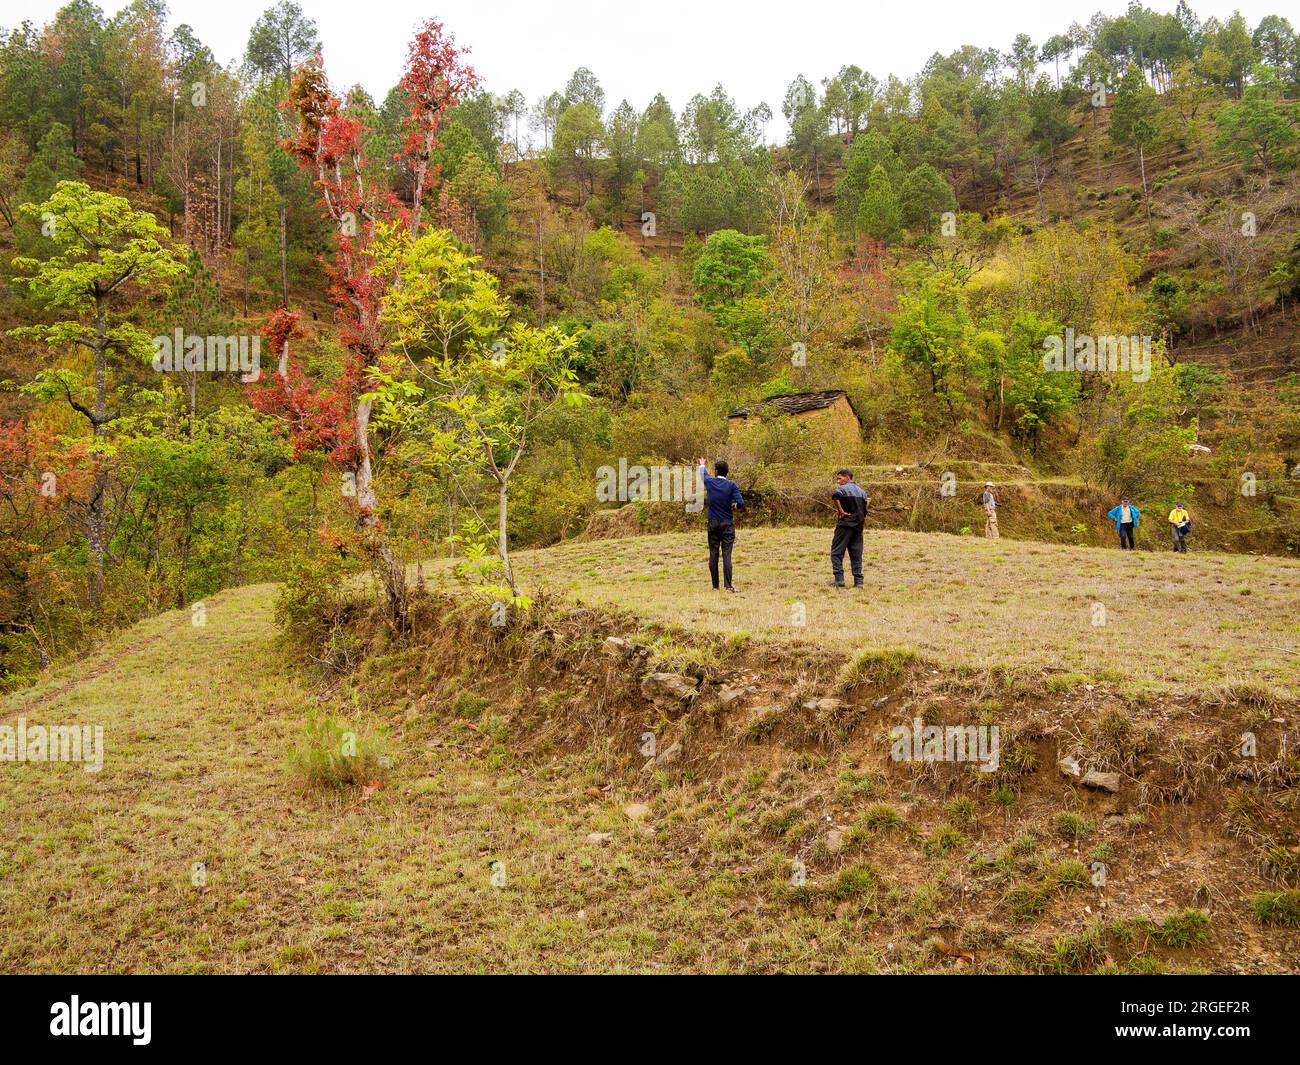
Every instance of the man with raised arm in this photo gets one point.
(722, 495)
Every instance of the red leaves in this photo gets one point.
(328, 142)
(42, 479)
(314, 417)
(435, 79)
(283, 326)
(313, 104)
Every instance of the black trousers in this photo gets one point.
(1126, 537)
(722, 537)
(849, 539)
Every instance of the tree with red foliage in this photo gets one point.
(38, 510)
(435, 79)
(335, 417)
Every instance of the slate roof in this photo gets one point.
(800, 403)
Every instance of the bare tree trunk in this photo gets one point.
(220, 218)
(284, 253)
(541, 274)
(95, 546)
(503, 540)
(1142, 166)
(393, 577)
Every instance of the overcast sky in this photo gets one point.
(677, 47)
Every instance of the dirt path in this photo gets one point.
(96, 670)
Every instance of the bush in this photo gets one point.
(1072, 826)
(1183, 929)
(333, 757)
(313, 607)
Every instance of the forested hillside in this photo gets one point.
(262, 326)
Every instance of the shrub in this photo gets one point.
(880, 818)
(314, 605)
(943, 839)
(333, 757)
(854, 881)
(1072, 826)
(1027, 901)
(962, 811)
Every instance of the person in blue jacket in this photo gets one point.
(722, 495)
(1126, 518)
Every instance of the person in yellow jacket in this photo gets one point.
(1181, 524)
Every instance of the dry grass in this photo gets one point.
(395, 874)
(201, 728)
(1192, 620)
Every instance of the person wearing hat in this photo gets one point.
(1181, 524)
(1126, 517)
(990, 512)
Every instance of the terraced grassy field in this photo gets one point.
(1147, 619)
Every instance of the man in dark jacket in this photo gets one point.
(851, 506)
(722, 494)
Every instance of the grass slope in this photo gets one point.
(97, 870)
(1199, 620)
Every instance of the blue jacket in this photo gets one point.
(721, 494)
(1115, 513)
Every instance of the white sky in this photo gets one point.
(677, 47)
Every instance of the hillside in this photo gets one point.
(500, 817)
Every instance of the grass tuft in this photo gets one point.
(1278, 908)
(333, 757)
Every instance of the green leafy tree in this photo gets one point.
(658, 143)
(730, 267)
(194, 305)
(1260, 131)
(879, 214)
(620, 139)
(868, 151)
(584, 88)
(481, 385)
(105, 250)
(807, 119)
(932, 332)
(52, 162)
(1133, 120)
(281, 38)
(1034, 394)
(924, 197)
(578, 137)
